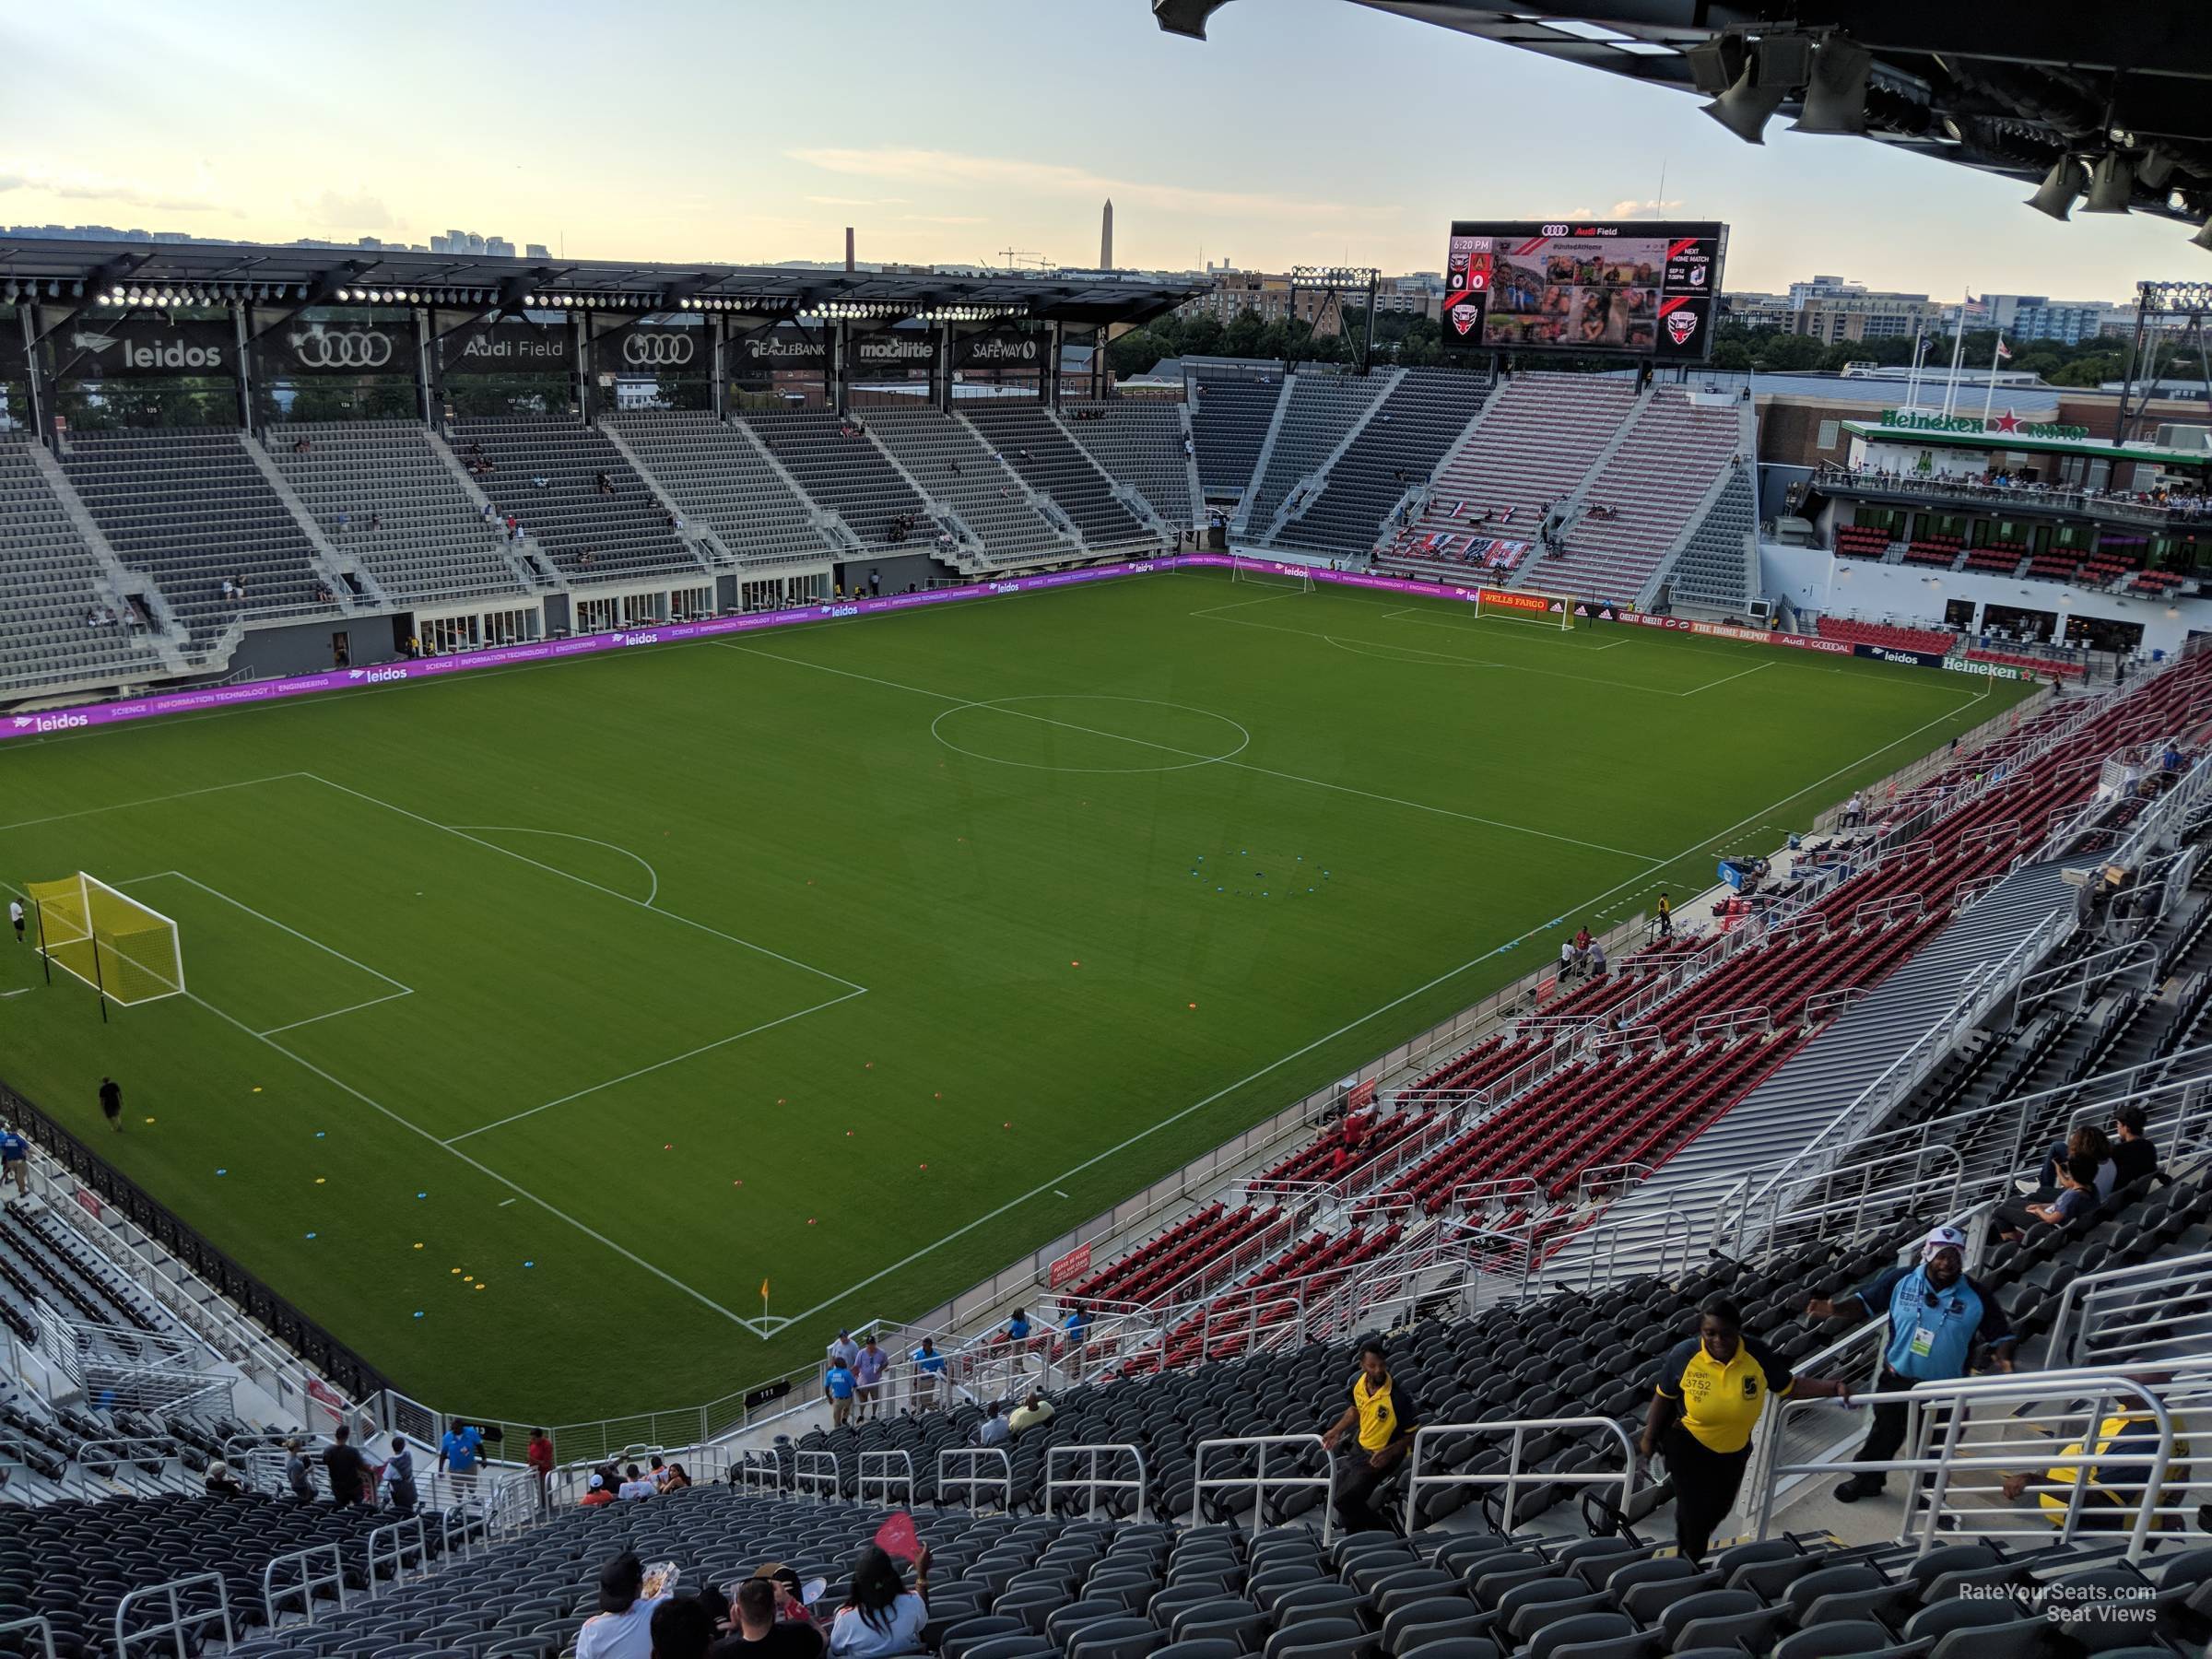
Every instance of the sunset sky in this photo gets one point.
(1305, 131)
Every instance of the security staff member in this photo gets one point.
(2108, 1502)
(1936, 1315)
(1383, 1416)
(1711, 1392)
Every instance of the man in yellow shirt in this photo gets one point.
(1382, 1418)
(1711, 1392)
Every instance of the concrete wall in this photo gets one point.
(1913, 593)
(897, 572)
(304, 647)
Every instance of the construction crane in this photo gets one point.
(1027, 256)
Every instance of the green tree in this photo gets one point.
(1731, 355)
(1782, 352)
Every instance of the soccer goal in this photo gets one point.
(124, 950)
(1526, 605)
(1268, 572)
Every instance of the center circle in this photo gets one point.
(1036, 732)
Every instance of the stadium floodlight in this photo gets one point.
(2056, 194)
(1777, 65)
(2112, 184)
(1835, 97)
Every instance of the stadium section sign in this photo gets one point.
(322, 348)
(144, 349)
(1638, 288)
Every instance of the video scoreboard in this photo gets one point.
(1640, 287)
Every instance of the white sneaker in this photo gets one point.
(2025, 1185)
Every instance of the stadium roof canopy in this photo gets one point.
(2016, 90)
(212, 272)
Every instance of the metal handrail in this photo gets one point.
(1260, 1481)
(1948, 1399)
(38, 1622)
(886, 1469)
(404, 1538)
(972, 1480)
(310, 1582)
(754, 1463)
(1093, 1483)
(2150, 1277)
(180, 1623)
(1513, 1476)
(809, 1474)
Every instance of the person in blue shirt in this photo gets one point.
(15, 1161)
(1077, 1326)
(457, 1453)
(1936, 1317)
(838, 1382)
(929, 1365)
(1017, 1327)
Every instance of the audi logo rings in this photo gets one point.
(656, 351)
(1555, 230)
(355, 349)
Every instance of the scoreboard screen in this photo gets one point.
(1636, 287)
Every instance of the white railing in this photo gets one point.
(397, 1545)
(1259, 1482)
(1091, 1482)
(815, 1473)
(1514, 1479)
(2120, 1315)
(881, 1471)
(969, 1460)
(176, 1627)
(313, 1584)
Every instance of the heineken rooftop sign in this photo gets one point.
(2006, 425)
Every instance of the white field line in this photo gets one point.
(1168, 748)
(1725, 678)
(652, 874)
(357, 795)
(149, 801)
(1410, 613)
(1345, 642)
(1053, 1183)
(398, 985)
(642, 1071)
(353, 1008)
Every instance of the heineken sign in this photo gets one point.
(2006, 425)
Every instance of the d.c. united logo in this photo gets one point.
(1464, 317)
(1680, 325)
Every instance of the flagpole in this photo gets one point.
(1951, 393)
(1912, 376)
(1990, 391)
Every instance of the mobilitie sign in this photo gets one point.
(2006, 425)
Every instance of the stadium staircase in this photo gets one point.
(1385, 462)
(718, 477)
(582, 536)
(999, 516)
(433, 544)
(353, 589)
(1623, 528)
(1141, 446)
(845, 471)
(56, 573)
(1038, 449)
(1232, 418)
(1537, 439)
(1320, 415)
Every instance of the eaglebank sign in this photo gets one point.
(338, 679)
(2006, 425)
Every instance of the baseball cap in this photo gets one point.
(1941, 1239)
(597, 1482)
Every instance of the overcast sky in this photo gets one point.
(1305, 131)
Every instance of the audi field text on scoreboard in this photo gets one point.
(1641, 288)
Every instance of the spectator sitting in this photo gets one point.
(793, 1600)
(596, 1493)
(994, 1430)
(682, 1628)
(881, 1617)
(221, 1483)
(634, 1486)
(1031, 1413)
(2085, 1141)
(606, 484)
(302, 446)
(677, 1479)
(2076, 1195)
(623, 1626)
(762, 1632)
(2134, 1155)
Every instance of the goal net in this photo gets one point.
(1526, 605)
(125, 951)
(1270, 572)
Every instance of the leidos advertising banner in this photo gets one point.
(288, 351)
(655, 346)
(508, 347)
(1001, 349)
(895, 354)
(779, 346)
(143, 349)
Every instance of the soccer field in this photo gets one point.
(538, 1015)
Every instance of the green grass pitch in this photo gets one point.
(538, 1015)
